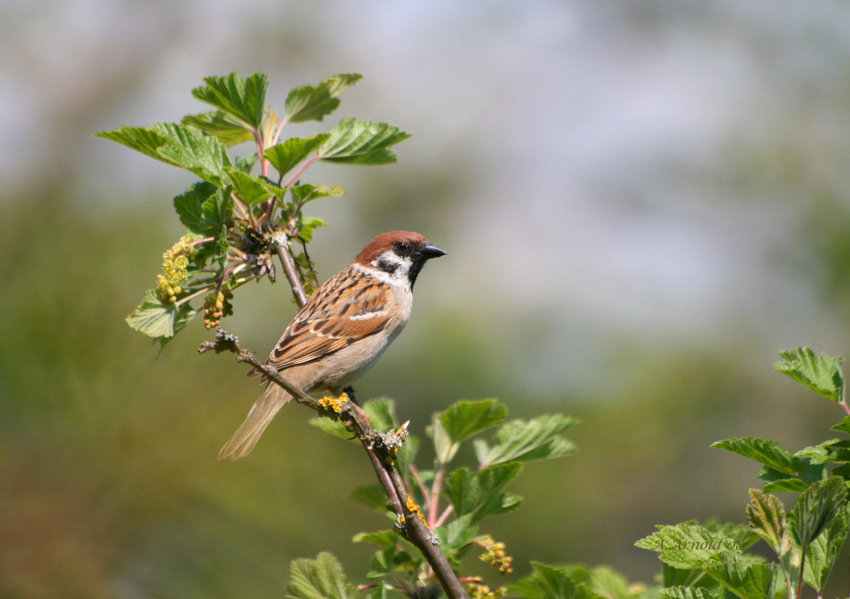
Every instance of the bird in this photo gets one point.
(342, 330)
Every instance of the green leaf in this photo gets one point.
(156, 318)
(321, 578)
(381, 413)
(286, 156)
(456, 535)
(843, 426)
(779, 481)
(767, 518)
(245, 100)
(822, 553)
(217, 212)
(681, 592)
(671, 576)
(361, 142)
(739, 533)
(608, 584)
(246, 164)
(465, 419)
(480, 493)
(822, 374)
(227, 129)
(310, 103)
(331, 427)
(307, 225)
(191, 149)
(407, 454)
(815, 510)
(307, 193)
(386, 561)
(248, 187)
(371, 496)
(144, 140)
(765, 451)
(687, 546)
(383, 538)
(519, 440)
(745, 579)
(553, 583)
(189, 206)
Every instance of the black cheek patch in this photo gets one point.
(387, 266)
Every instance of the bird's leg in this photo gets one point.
(350, 391)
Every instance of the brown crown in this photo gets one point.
(384, 242)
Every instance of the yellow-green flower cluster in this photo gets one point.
(495, 555)
(216, 307)
(174, 266)
(479, 590)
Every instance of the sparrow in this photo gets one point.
(342, 330)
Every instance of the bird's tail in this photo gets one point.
(264, 409)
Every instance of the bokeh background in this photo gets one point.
(642, 202)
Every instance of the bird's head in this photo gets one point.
(398, 254)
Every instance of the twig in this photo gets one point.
(289, 269)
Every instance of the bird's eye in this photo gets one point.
(401, 247)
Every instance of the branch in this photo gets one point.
(289, 269)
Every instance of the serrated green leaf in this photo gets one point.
(307, 225)
(520, 440)
(687, 546)
(286, 156)
(245, 165)
(381, 413)
(739, 533)
(815, 510)
(744, 578)
(843, 426)
(361, 142)
(553, 583)
(382, 538)
(308, 103)
(822, 553)
(249, 188)
(766, 452)
(142, 139)
(217, 211)
(321, 578)
(683, 592)
(443, 446)
(465, 419)
(227, 129)
(822, 374)
(191, 149)
(371, 496)
(189, 206)
(244, 100)
(307, 193)
(156, 318)
(766, 515)
(455, 535)
(479, 494)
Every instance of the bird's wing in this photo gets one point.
(350, 306)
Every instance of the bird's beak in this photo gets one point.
(428, 251)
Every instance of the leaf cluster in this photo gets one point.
(454, 500)
(238, 220)
(710, 562)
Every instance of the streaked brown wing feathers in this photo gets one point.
(335, 317)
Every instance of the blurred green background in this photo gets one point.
(642, 202)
